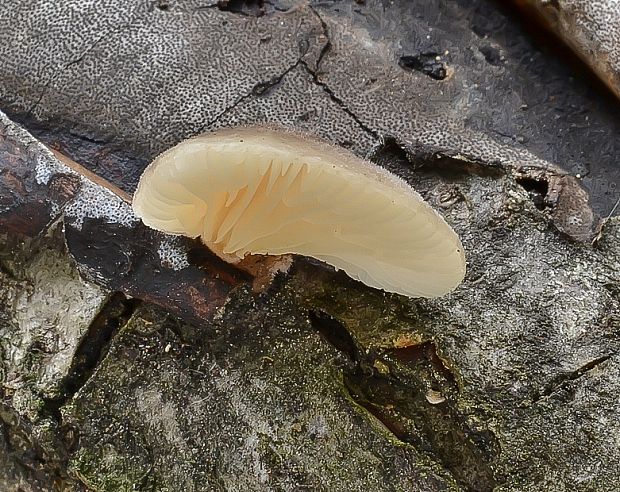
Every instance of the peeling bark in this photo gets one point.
(102, 234)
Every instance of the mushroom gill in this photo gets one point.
(256, 190)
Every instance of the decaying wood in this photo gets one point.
(318, 382)
(109, 244)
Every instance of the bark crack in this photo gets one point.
(561, 381)
(392, 386)
(259, 89)
(328, 45)
(92, 349)
(315, 74)
(80, 58)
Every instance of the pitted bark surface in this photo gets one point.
(169, 373)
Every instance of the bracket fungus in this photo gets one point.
(257, 190)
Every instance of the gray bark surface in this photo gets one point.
(134, 361)
(591, 28)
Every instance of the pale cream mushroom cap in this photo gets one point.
(257, 190)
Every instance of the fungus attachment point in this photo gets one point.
(255, 190)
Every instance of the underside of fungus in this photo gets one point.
(256, 190)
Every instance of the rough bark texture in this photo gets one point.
(115, 85)
(591, 28)
(130, 360)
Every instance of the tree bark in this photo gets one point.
(131, 360)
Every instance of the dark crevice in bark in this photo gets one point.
(429, 63)
(315, 74)
(249, 8)
(7, 271)
(328, 45)
(432, 424)
(413, 394)
(91, 350)
(340, 102)
(563, 380)
(425, 352)
(245, 8)
(162, 5)
(334, 332)
(260, 89)
(394, 157)
(537, 189)
(206, 260)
